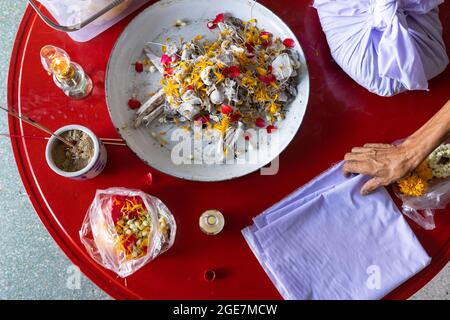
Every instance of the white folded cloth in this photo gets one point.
(326, 241)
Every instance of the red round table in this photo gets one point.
(340, 115)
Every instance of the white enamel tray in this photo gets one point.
(155, 24)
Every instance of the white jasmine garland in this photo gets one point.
(439, 161)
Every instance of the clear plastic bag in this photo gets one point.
(73, 12)
(421, 209)
(125, 229)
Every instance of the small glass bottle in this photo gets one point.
(212, 222)
(67, 75)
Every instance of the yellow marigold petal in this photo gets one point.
(198, 38)
(412, 185)
(261, 71)
(274, 108)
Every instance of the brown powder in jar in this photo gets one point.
(73, 159)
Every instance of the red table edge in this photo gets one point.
(436, 265)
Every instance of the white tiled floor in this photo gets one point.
(31, 265)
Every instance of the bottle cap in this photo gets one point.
(212, 222)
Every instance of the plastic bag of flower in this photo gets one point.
(387, 46)
(427, 188)
(125, 229)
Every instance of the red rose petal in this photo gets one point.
(247, 136)
(235, 117)
(231, 72)
(289, 43)
(118, 200)
(260, 123)
(202, 118)
(250, 47)
(116, 204)
(134, 104)
(267, 79)
(219, 18)
(271, 78)
(116, 214)
(168, 72)
(213, 24)
(267, 43)
(271, 129)
(137, 200)
(139, 67)
(166, 60)
(267, 38)
(226, 109)
(250, 50)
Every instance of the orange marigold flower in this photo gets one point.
(424, 171)
(412, 185)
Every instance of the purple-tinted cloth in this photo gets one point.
(326, 241)
(387, 46)
(328, 180)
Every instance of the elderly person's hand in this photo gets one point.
(387, 163)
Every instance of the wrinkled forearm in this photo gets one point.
(429, 136)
